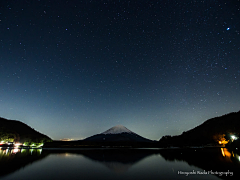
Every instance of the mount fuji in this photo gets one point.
(117, 133)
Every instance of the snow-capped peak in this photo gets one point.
(117, 130)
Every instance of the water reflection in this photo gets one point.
(230, 155)
(218, 161)
(118, 163)
(12, 159)
(10, 151)
(118, 160)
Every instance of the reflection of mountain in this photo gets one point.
(214, 159)
(118, 160)
(117, 167)
(12, 160)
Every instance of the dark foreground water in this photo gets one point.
(215, 163)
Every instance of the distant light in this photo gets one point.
(228, 28)
(66, 139)
(17, 144)
(233, 137)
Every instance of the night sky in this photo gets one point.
(72, 69)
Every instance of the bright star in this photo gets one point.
(228, 28)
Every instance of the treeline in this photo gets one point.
(213, 132)
(16, 131)
(8, 136)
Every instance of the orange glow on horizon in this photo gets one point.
(223, 142)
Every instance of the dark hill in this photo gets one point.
(117, 133)
(117, 137)
(12, 130)
(210, 132)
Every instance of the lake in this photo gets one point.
(198, 163)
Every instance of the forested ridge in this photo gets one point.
(17, 131)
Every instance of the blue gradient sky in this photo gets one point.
(71, 69)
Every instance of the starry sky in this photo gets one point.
(72, 69)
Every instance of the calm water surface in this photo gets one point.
(17, 164)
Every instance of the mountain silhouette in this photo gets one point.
(211, 131)
(117, 133)
(20, 132)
